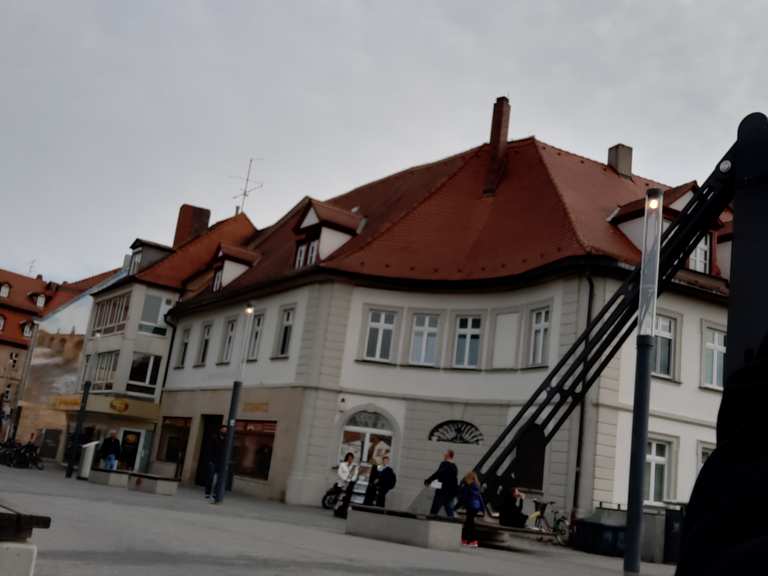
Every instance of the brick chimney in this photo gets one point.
(620, 159)
(498, 145)
(192, 222)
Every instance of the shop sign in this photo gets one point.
(256, 407)
(67, 402)
(119, 405)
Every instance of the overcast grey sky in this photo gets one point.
(112, 114)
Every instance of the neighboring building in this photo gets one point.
(420, 311)
(127, 338)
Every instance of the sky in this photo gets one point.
(113, 114)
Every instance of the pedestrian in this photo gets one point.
(447, 478)
(511, 510)
(215, 455)
(385, 481)
(372, 488)
(347, 474)
(472, 501)
(109, 451)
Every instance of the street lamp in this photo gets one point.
(646, 319)
(223, 472)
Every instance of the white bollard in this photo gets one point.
(17, 558)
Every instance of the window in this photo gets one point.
(181, 355)
(217, 280)
(284, 334)
(5, 290)
(466, 352)
(152, 321)
(28, 329)
(145, 369)
(664, 350)
(174, 435)
(456, 432)
(205, 341)
(699, 259)
(656, 470)
(227, 341)
(714, 357)
(135, 262)
(40, 300)
(424, 339)
(104, 370)
(110, 315)
(312, 252)
(255, 337)
(705, 451)
(2, 323)
(539, 337)
(301, 253)
(252, 455)
(381, 329)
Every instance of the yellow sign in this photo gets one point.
(119, 405)
(67, 402)
(256, 407)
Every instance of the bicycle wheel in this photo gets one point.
(562, 531)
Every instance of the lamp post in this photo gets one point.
(223, 472)
(81, 412)
(646, 318)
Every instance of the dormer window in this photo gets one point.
(301, 254)
(700, 257)
(312, 252)
(217, 280)
(27, 330)
(135, 262)
(40, 300)
(2, 323)
(306, 254)
(5, 290)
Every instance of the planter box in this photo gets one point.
(404, 528)
(153, 484)
(109, 477)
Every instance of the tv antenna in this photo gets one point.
(247, 188)
(32, 266)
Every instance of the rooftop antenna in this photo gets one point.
(32, 266)
(247, 188)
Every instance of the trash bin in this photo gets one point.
(87, 453)
(599, 538)
(673, 531)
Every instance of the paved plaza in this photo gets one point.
(101, 530)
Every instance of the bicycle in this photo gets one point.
(560, 527)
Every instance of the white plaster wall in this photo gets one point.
(330, 241)
(265, 371)
(724, 258)
(231, 270)
(71, 318)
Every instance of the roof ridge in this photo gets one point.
(277, 225)
(470, 154)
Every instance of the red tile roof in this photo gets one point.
(336, 217)
(238, 254)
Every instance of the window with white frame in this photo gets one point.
(705, 451)
(152, 315)
(40, 300)
(254, 339)
(312, 252)
(104, 370)
(380, 335)
(2, 323)
(217, 279)
(110, 315)
(424, 336)
(205, 343)
(301, 254)
(227, 340)
(135, 262)
(5, 290)
(181, 354)
(466, 351)
(714, 357)
(539, 344)
(28, 326)
(144, 373)
(664, 349)
(700, 257)
(657, 459)
(285, 331)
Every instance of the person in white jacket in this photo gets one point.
(347, 470)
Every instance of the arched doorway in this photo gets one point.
(368, 435)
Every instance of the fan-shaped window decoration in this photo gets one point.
(457, 432)
(366, 419)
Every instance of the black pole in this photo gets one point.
(78, 428)
(223, 472)
(637, 463)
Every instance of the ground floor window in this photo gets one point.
(368, 435)
(174, 435)
(657, 456)
(254, 440)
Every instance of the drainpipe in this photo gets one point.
(173, 325)
(580, 441)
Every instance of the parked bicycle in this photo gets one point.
(560, 527)
(18, 455)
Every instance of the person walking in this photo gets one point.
(447, 475)
(472, 501)
(385, 481)
(215, 455)
(109, 451)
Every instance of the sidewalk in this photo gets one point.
(100, 530)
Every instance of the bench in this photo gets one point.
(17, 557)
(117, 478)
(152, 483)
(404, 527)
(491, 535)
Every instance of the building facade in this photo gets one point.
(420, 311)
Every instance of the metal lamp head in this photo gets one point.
(649, 268)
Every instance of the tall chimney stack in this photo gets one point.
(498, 145)
(192, 222)
(620, 159)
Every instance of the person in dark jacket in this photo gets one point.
(472, 501)
(448, 476)
(385, 481)
(109, 451)
(724, 530)
(511, 510)
(215, 455)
